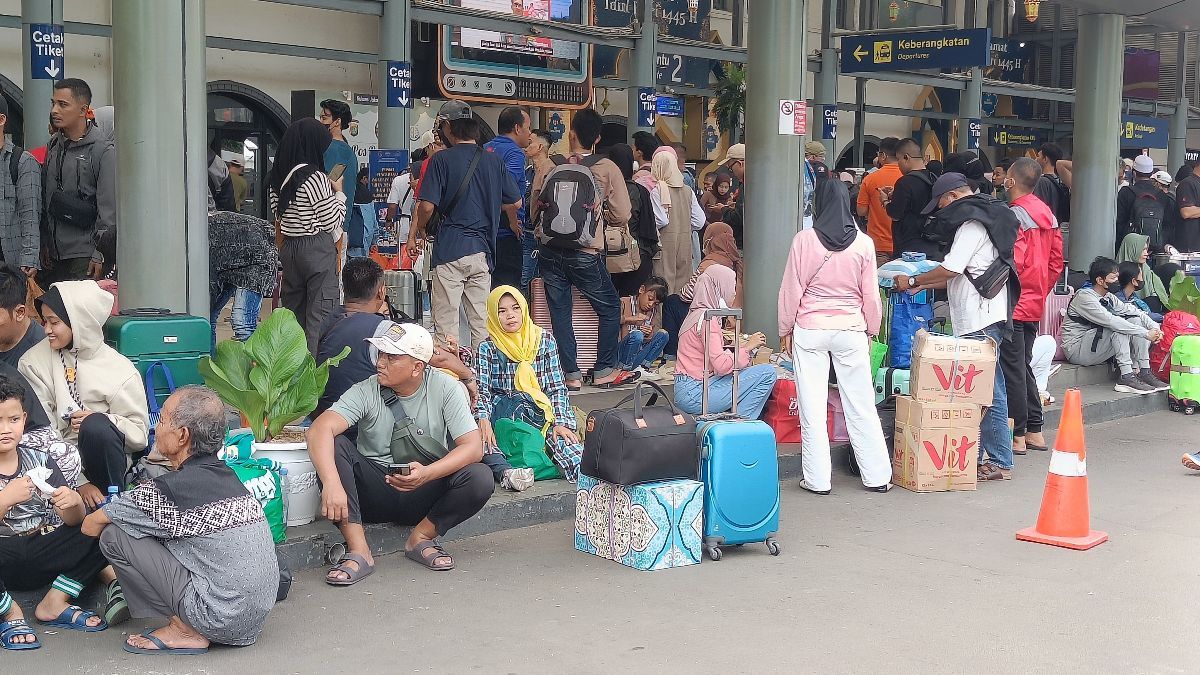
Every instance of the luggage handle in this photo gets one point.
(705, 318)
(636, 397)
(146, 311)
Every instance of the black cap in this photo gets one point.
(454, 110)
(945, 183)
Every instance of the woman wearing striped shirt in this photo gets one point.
(309, 211)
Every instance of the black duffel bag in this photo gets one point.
(627, 446)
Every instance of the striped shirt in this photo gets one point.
(314, 209)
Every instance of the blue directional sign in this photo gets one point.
(669, 106)
(47, 51)
(399, 84)
(829, 122)
(646, 107)
(974, 133)
(988, 104)
(1143, 132)
(916, 51)
(1015, 138)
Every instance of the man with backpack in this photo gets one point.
(20, 205)
(79, 189)
(908, 197)
(1141, 207)
(1054, 187)
(581, 194)
(463, 189)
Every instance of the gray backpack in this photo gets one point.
(570, 205)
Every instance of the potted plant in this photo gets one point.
(273, 380)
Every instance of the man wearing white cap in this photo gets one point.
(416, 461)
(1141, 207)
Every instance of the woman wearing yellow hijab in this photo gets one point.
(521, 357)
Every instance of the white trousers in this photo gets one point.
(851, 354)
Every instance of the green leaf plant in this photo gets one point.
(271, 377)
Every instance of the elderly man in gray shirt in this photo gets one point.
(192, 544)
(20, 201)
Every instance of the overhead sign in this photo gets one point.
(974, 133)
(1016, 138)
(668, 106)
(646, 107)
(916, 51)
(1143, 132)
(399, 84)
(988, 103)
(829, 122)
(793, 118)
(47, 51)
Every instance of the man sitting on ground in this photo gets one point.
(365, 315)
(192, 544)
(1099, 327)
(416, 461)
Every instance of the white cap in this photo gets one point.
(1143, 164)
(425, 140)
(409, 339)
(1163, 178)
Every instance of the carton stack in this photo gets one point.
(937, 425)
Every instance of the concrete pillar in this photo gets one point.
(394, 39)
(1096, 141)
(36, 93)
(642, 64)
(972, 99)
(775, 199)
(159, 93)
(1177, 141)
(826, 89)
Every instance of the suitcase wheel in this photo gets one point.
(714, 553)
(773, 546)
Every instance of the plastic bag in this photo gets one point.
(1184, 296)
(525, 448)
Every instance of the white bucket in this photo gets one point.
(300, 490)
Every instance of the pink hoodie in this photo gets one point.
(839, 294)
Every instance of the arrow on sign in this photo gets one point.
(859, 53)
(403, 98)
(52, 70)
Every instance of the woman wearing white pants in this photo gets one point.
(829, 307)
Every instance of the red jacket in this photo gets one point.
(1039, 256)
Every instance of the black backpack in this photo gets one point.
(1062, 209)
(1146, 217)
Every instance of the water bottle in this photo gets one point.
(112, 493)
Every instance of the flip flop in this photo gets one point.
(14, 628)
(116, 609)
(416, 555)
(75, 617)
(162, 648)
(354, 575)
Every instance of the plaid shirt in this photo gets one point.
(497, 374)
(20, 209)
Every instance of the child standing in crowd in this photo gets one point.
(93, 395)
(641, 345)
(518, 364)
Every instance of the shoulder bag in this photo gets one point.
(627, 446)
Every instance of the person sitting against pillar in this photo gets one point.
(520, 377)
(92, 395)
(192, 544)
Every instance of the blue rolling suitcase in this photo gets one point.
(739, 466)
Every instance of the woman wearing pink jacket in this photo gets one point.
(829, 306)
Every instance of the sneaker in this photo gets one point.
(517, 480)
(879, 488)
(667, 370)
(988, 471)
(1132, 384)
(806, 486)
(647, 375)
(1192, 461)
(1149, 378)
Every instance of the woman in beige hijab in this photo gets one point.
(677, 214)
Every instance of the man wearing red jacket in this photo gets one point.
(1039, 256)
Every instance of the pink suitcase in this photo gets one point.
(1054, 315)
(586, 324)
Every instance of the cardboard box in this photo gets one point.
(651, 526)
(937, 445)
(950, 369)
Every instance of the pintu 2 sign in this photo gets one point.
(47, 51)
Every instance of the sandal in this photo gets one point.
(161, 647)
(14, 628)
(623, 377)
(576, 387)
(353, 575)
(429, 561)
(75, 617)
(116, 609)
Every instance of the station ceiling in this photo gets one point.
(1170, 15)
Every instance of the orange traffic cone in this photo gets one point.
(1064, 520)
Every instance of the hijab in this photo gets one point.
(622, 155)
(1131, 251)
(719, 179)
(720, 248)
(832, 219)
(714, 290)
(520, 347)
(665, 170)
(304, 142)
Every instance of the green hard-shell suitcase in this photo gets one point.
(147, 335)
(1185, 373)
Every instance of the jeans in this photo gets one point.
(636, 350)
(510, 261)
(560, 270)
(247, 305)
(529, 261)
(754, 388)
(994, 438)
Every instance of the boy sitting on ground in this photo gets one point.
(641, 345)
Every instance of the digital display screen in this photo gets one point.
(491, 53)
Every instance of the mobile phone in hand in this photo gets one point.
(336, 173)
(399, 469)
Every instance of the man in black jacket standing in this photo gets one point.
(1143, 217)
(909, 196)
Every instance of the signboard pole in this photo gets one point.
(1177, 142)
(642, 70)
(972, 100)
(36, 92)
(394, 47)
